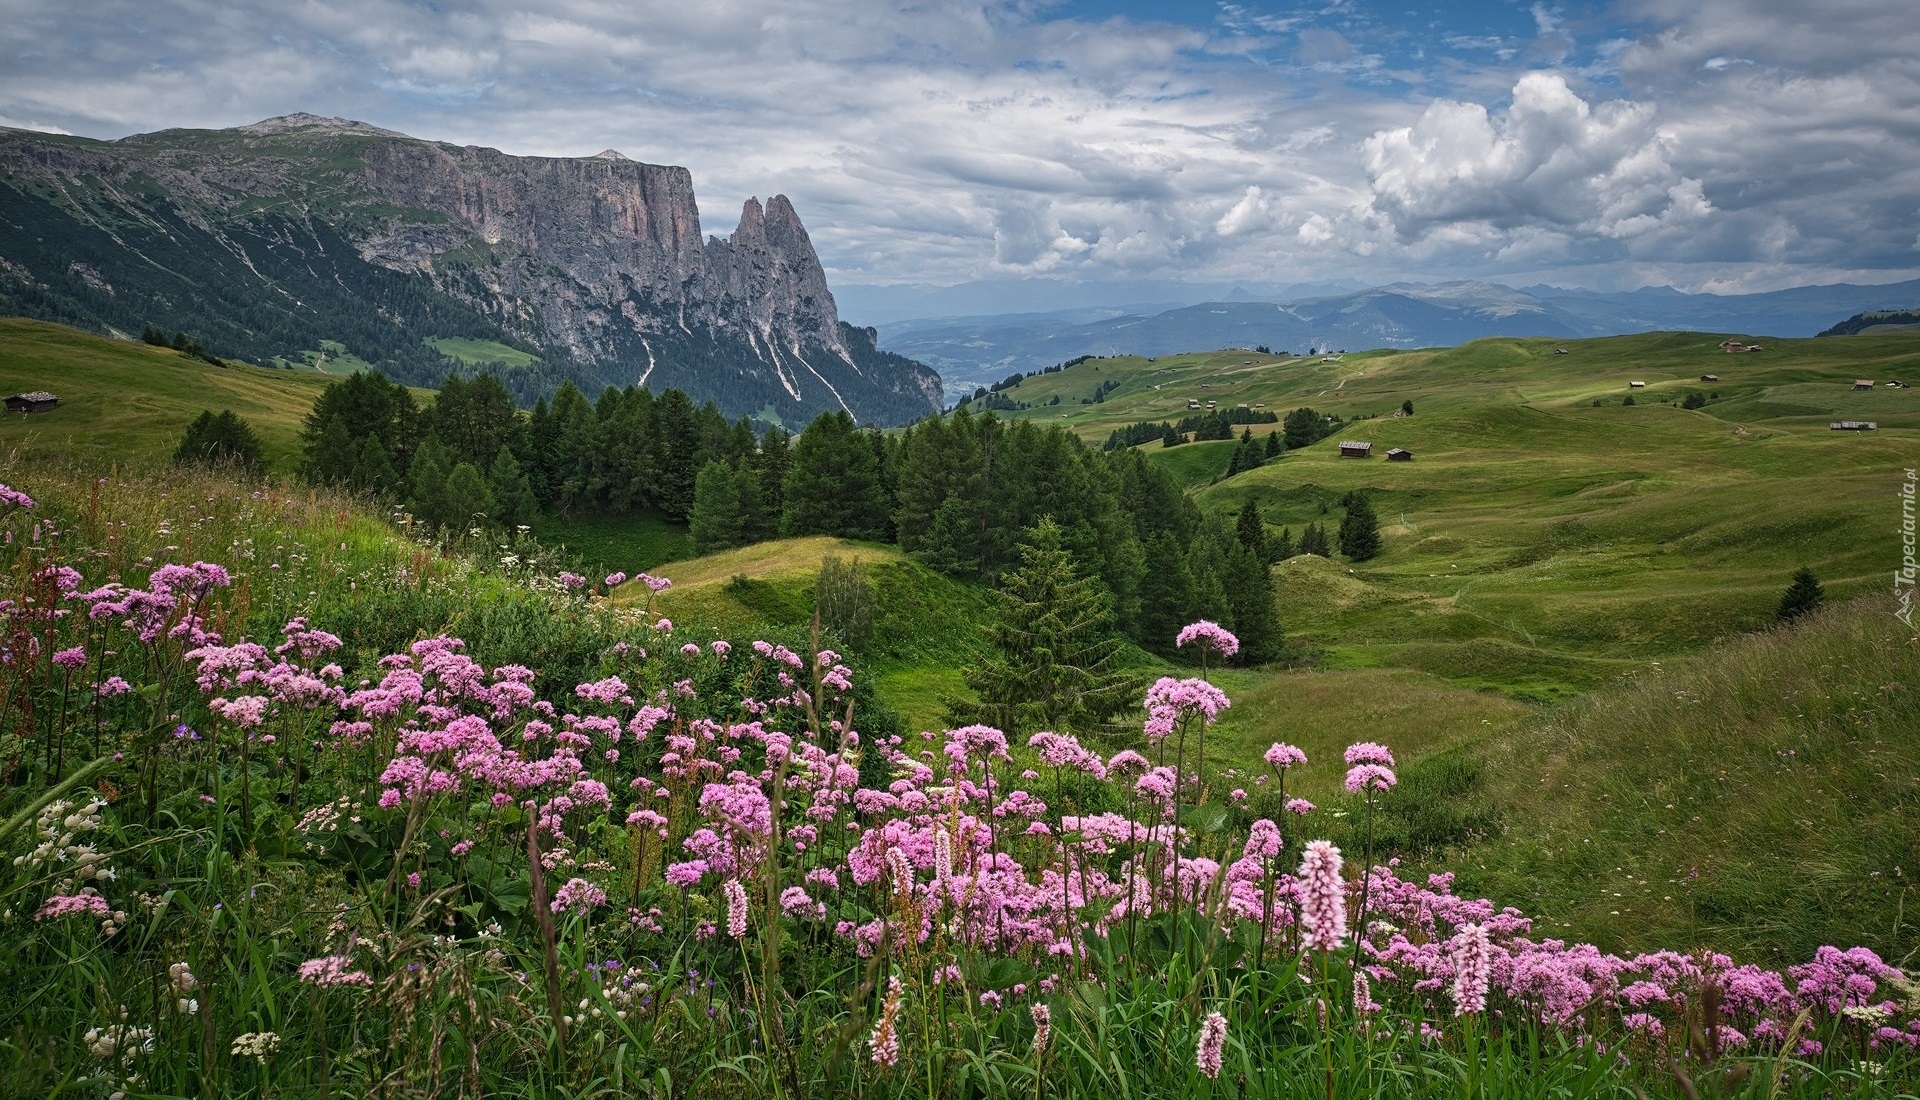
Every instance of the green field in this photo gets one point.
(482, 353)
(125, 403)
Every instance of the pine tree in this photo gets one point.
(1171, 438)
(1250, 531)
(1166, 594)
(1360, 530)
(427, 485)
(834, 486)
(775, 459)
(1274, 448)
(1314, 541)
(465, 501)
(1407, 406)
(513, 499)
(755, 524)
(331, 455)
(373, 471)
(715, 523)
(1251, 607)
(1802, 597)
(219, 440)
(1055, 660)
(1282, 548)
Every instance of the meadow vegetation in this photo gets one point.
(297, 806)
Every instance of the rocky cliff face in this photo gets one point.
(598, 264)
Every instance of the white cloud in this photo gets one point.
(1550, 159)
(938, 142)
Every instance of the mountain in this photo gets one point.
(300, 235)
(975, 351)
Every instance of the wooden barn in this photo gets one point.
(1399, 454)
(1853, 426)
(1353, 449)
(1709, 378)
(1636, 385)
(37, 401)
(1863, 383)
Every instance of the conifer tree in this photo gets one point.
(755, 523)
(466, 501)
(715, 523)
(1275, 448)
(1166, 594)
(1802, 597)
(221, 439)
(834, 485)
(1314, 541)
(373, 471)
(1251, 607)
(774, 459)
(1055, 660)
(331, 454)
(1171, 438)
(427, 484)
(1250, 531)
(1359, 530)
(1282, 547)
(513, 500)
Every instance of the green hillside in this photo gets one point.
(1536, 543)
(124, 403)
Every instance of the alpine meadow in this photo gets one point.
(1240, 552)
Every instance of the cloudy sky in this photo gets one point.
(1706, 144)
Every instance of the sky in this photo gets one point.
(1723, 145)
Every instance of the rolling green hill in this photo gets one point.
(1537, 543)
(125, 403)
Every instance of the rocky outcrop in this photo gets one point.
(598, 262)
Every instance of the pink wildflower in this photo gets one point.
(1323, 898)
(578, 893)
(1370, 777)
(615, 580)
(1213, 1038)
(332, 970)
(736, 908)
(1367, 752)
(71, 659)
(886, 1036)
(1472, 962)
(1210, 635)
(1282, 755)
(1042, 1025)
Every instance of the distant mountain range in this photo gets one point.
(975, 351)
(301, 235)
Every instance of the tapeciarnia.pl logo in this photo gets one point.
(1903, 577)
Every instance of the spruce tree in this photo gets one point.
(219, 440)
(331, 454)
(1802, 597)
(466, 501)
(1360, 530)
(1166, 594)
(513, 499)
(1251, 607)
(1282, 548)
(1171, 438)
(427, 484)
(1250, 531)
(1314, 541)
(756, 524)
(774, 459)
(373, 471)
(834, 486)
(715, 523)
(1055, 659)
(1274, 448)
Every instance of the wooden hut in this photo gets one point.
(1354, 449)
(1399, 454)
(37, 401)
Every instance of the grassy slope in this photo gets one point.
(1537, 544)
(124, 402)
(927, 628)
(1760, 797)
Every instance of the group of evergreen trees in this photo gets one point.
(470, 459)
(962, 492)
